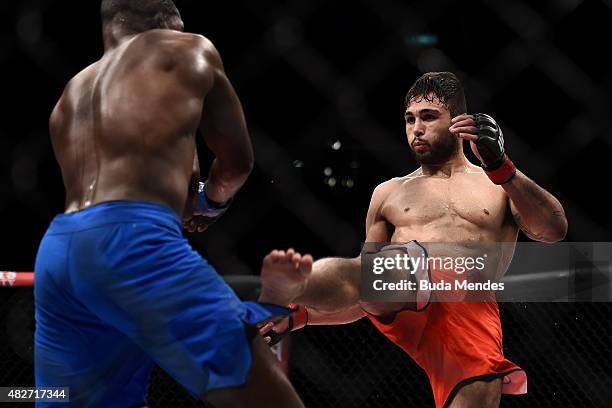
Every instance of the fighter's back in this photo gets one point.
(124, 127)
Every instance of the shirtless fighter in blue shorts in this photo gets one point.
(117, 286)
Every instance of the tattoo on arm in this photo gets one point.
(519, 221)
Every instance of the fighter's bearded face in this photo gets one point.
(427, 123)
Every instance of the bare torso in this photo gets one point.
(124, 127)
(465, 210)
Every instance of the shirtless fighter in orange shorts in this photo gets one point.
(446, 200)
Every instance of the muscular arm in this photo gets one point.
(314, 318)
(537, 212)
(224, 129)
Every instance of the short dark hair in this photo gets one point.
(138, 15)
(442, 86)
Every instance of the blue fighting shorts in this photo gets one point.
(118, 289)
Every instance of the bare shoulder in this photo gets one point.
(384, 189)
(403, 181)
(192, 56)
(187, 46)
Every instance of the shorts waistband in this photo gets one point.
(113, 212)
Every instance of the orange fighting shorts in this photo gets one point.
(456, 343)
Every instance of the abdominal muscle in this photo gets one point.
(441, 240)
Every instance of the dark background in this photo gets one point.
(311, 73)
(314, 73)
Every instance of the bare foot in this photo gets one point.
(283, 276)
